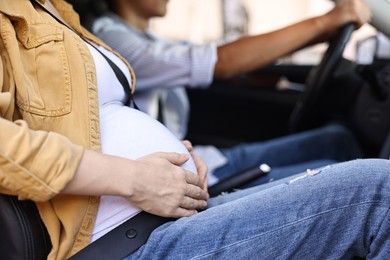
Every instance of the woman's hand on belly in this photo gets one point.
(155, 183)
(164, 188)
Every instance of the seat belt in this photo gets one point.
(117, 71)
(122, 240)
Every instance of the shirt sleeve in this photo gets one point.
(158, 62)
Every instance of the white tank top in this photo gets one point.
(125, 132)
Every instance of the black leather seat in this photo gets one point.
(23, 234)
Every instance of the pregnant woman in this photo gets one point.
(61, 104)
(126, 132)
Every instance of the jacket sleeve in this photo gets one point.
(34, 165)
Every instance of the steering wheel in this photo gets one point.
(306, 109)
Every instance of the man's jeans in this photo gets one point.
(337, 212)
(292, 154)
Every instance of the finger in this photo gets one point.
(193, 179)
(175, 158)
(364, 11)
(193, 204)
(195, 192)
(182, 212)
(178, 212)
(205, 185)
(201, 167)
(188, 145)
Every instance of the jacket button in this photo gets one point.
(131, 233)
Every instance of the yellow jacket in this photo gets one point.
(48, 114)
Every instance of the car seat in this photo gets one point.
(23, 234)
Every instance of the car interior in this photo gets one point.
(258, 106)
(253, 107)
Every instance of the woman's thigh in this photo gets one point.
(336, 212)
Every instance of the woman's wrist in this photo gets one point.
(100, 174)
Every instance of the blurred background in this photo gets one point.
(203, 21)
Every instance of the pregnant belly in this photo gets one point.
(132, 134)
(129, 133)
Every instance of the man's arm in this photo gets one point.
(254, 52)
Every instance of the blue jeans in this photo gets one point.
(337, 212)
(292, 154)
